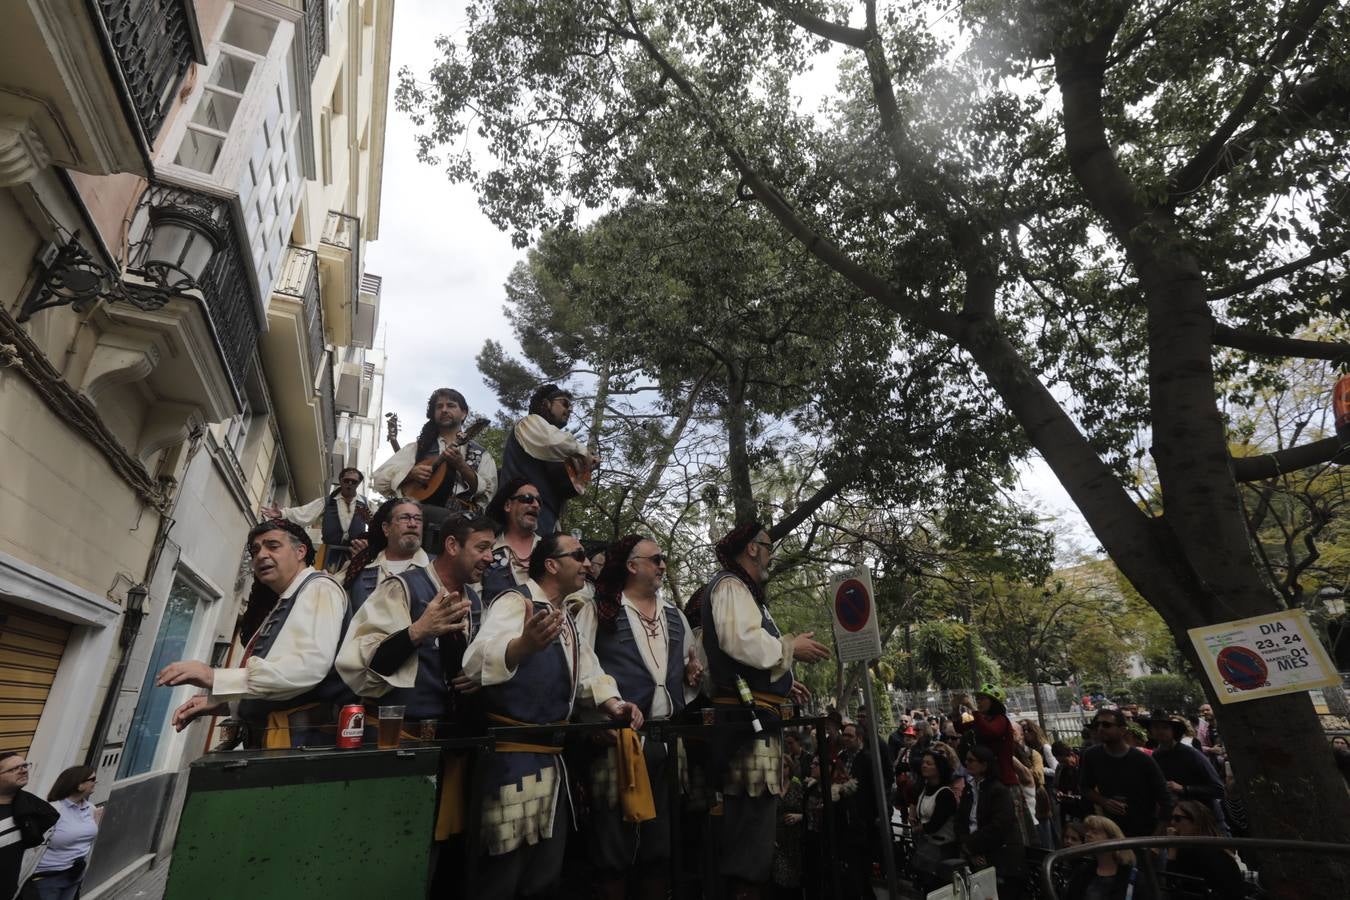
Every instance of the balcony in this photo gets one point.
(340, 274)
(88, 84)
(353, 389)
(191, 346)
(367, 312)
(298, 374)
(316, 33)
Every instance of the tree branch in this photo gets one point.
(1270, 465)
(1205, 164)
(1279, 346)
(1321, 254)
(840, 34)
(807, 507)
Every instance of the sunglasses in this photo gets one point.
(525, 498)
(578, 554)
(351, 481)
(22, 767)
(658, 559)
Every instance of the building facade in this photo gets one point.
(186, 191)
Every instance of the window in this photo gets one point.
(150, 722)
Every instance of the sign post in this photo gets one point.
(857, 639)
(1263, 656)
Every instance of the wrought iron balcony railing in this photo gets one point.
(154, 42)
(300, 278)
(316, 31)
(231, 308)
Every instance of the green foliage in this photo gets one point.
(1173, 693)
(944, 648)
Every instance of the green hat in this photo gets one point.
(993, 692)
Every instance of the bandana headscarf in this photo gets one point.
(730, 547)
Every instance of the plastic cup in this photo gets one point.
(391, 727)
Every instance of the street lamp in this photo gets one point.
(133, 613)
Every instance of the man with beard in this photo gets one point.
(473, 469)
(743, 643)
(341, 517)
(287, 690)
(533, 668)
(515, 513)
(395, 546)
(646, 645)
(540, 451)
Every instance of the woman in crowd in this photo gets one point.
(1109, 875)
(1034, 738)
(992, 729)
(61, 868)
(787, 851)
(1213, 866)
(934, 815)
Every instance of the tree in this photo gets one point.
(1071, 204)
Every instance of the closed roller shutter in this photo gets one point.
(31, 646)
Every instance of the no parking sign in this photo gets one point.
(855, 616)
(1278, 653)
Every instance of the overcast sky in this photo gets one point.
(444, 265)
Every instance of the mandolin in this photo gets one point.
(420, 492)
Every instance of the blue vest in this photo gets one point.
(428, 697)
(473, 455)
(366, 581)
(621, 658)
(540, 692)
(548, 476)
(498, 579)
(723, 668)
(332, 526)
(332, 689)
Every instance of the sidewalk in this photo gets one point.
(149, 885)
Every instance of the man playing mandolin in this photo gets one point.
(441, 468)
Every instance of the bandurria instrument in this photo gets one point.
(441, 468)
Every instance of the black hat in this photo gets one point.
(1177, 722)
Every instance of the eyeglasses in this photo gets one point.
(658, 559)
(351, 481)
(21, 767)
(525, 498)
(578, 554)
(409, 519)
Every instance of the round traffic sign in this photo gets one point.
(852, 605)
(1242, 667)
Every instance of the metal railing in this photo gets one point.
(300, 278)
(316, 33)
(1053, 890)
(152, 41)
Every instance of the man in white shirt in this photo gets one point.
(395, 546)
(515, 513)
(742, 640)
(473, 468)
(533, 668)
(645, 644)
(540, 451)
(286, 688)
(341, 517)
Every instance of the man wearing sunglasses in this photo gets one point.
(533, 669)
(1122, 781)
(341, 516)
(742, 642)
(645, 643)
(515, 513)
(539, 450)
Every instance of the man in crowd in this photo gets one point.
(533, 668)
(1190, 776)
(287, 690)
(471, 473)
(986, 823)
(857, 845)
(540, 451)
(395, 545)
(514, 511)
(646, 645)
(742, 641)
(1124, 782)
(342, 517)
(26, 822)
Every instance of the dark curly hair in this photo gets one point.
(261, 598)
(376, 540)
(609, 583)
(428, 439)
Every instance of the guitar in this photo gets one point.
(391, 429)
(420, 492)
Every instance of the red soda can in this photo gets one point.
(351, 726)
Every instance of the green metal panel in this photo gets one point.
(296, 824)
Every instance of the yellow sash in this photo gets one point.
(635, 788)
(523, 746)
(278, 734)
(764, 700)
